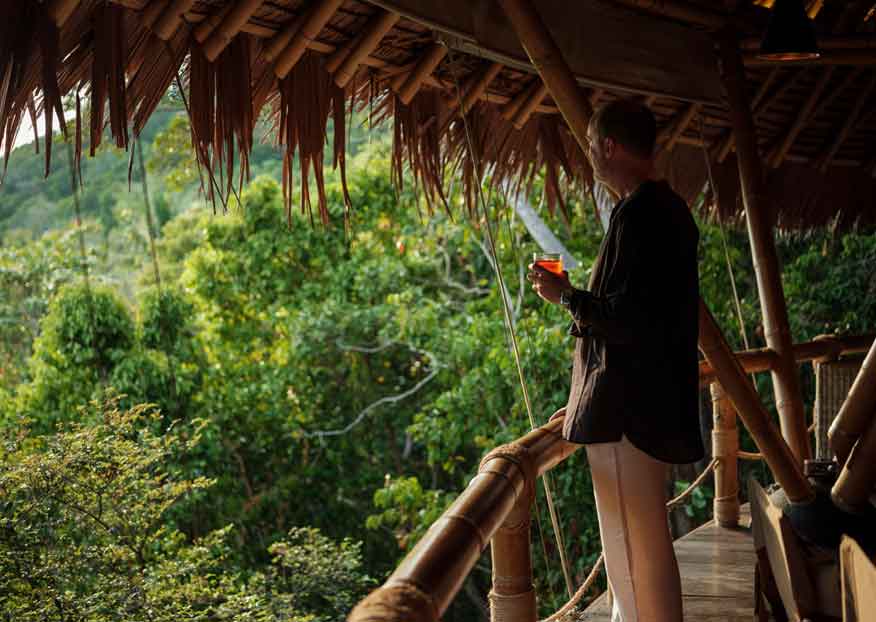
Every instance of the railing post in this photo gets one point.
(725, 445)
(512, 598)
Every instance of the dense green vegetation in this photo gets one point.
(318, 395)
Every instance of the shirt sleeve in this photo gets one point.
(627, 311)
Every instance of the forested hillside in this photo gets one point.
(265, 431)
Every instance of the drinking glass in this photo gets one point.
(552, 262)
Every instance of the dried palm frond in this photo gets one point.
(308, 96)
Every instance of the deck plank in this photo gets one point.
(717, 575)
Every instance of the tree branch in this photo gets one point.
(389, 399)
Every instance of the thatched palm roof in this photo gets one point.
(419, 63)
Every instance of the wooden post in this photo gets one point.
(738, 388)
(856, 411)
(725, 445)
(857, 479)
(786, 384)
(512, 598)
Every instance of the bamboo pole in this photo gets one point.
(764, 359)
(512, 597)
(368, 42)
(509, 110)
(725, 445)
(802, 118)
(786, 384)
(525, 111)
(856, 481)
(60, 10)
(850, 122)
(422, 70)
(229, 27)
(737, 386)
(758, 104)
(316, 20)
(280, 39)
(854, 416)
(548, 60)
(424, 584)
(668, 138)
(831, 58)
(171, 19)
(855, 41)
(474, 92)
(153, 11)
(204, 29)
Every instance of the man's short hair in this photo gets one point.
(630, 123)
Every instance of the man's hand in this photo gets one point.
(560, 413)
(547, 284)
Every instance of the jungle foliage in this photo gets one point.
(314, 397)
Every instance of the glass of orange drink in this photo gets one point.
(552, 262)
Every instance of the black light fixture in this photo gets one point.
(790, 34)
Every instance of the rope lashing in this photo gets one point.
(579, 593)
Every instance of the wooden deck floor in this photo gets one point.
(717, 575)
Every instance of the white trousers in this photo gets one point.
(639, 559)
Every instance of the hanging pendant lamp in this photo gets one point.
(790, 34)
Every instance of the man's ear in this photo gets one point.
(608, 147)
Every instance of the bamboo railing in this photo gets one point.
(495, 508)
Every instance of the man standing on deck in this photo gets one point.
(634, 399)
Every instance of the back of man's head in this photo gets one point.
(630, 123)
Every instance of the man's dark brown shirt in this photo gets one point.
(635, 371)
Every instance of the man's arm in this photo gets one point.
(626, 313)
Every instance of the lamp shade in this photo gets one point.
(790, 34)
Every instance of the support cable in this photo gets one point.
(509, 322)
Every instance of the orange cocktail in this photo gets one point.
(552, 262)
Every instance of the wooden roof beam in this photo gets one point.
(171, 19)
(477, 89)
(759, 103)
(206, 27)
(682, 12)
(803, 116)
(310, 27)
(422, 70)
(862, 57)
(547, 58)
(346, 60)
(510, 109)
(669, 135)
(856, 41)
(60, 10)
(533, 99)
(851, 121)
(229, 27)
